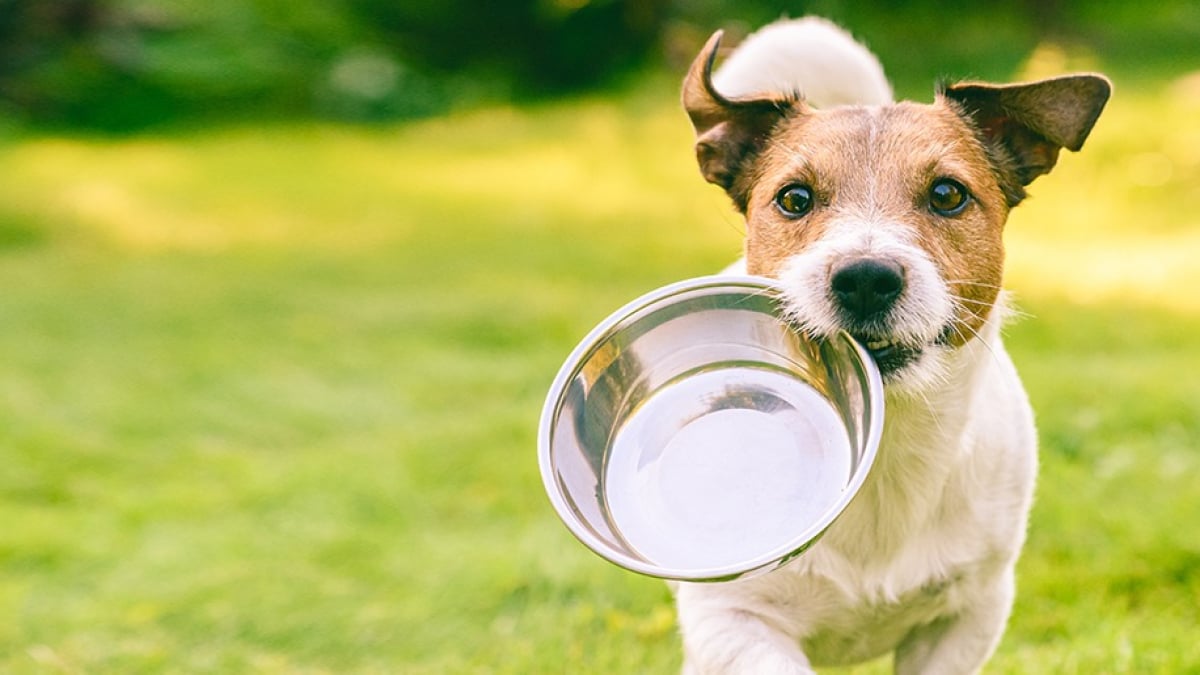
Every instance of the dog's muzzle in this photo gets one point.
(867, 288)
(866, 291)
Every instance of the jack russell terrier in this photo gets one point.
(885, 219)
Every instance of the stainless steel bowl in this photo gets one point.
(692, 435)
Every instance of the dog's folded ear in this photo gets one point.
(1025, 125)
(729, 132)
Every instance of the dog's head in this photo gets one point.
(886, 221)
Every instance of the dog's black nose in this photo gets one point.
(868, 286)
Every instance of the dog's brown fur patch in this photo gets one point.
(877, 166)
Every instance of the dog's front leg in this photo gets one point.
(962, 643)
(721, 639)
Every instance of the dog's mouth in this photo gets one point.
(890, 355)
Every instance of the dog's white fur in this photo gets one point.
(921, 563)
(811, 54)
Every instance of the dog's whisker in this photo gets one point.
(965, 280)
(981, 303)
(1008, 309)
(973, 285)
(958, 323)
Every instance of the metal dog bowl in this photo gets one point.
(693, 435)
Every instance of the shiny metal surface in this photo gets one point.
(692, 435)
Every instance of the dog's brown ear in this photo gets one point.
(1025, 125)
(728, 132)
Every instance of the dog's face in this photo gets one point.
(887, 221)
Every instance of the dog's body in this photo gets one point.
(885, 220)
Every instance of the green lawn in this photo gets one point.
(268, 395)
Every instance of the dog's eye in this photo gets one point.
(795, 200)
(948, 197)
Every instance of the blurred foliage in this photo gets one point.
(124, 64)
(129, 64)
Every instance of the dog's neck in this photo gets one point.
(925, 429)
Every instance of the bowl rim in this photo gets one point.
(757, 564)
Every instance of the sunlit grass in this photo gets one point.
(269, 393)
(1118, 211)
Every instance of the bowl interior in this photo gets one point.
(694, 436)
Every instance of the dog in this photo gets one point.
(885, 219)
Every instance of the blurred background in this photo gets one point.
(128, 65)
(283, 284)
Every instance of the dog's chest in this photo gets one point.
(863, 624)
(863, 596)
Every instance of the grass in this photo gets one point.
(268, 395)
